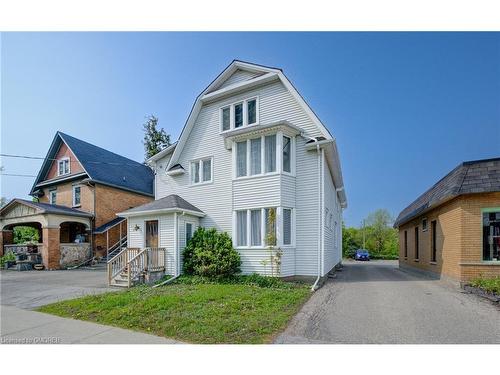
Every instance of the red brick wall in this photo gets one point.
(64, 151)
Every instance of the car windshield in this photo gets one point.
(363, 252)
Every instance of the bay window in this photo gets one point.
(257, 227)
(241, 159)
(270, 153)
(241, 228)
(201, 171)
(257, 156)
(287, 226)
(287, 157)
(239, 114)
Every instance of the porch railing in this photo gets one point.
(127, 266)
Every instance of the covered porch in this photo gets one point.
(63, 233)
(157, 233)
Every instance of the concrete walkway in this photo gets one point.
(23, 291)
(20, 326)
(377, 303)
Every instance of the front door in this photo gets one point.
(152, 233)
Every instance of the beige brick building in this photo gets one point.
(453, 229)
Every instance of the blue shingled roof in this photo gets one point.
(104, 166)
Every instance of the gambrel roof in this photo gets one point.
(101, 166)
(477, 176)
(238, 76)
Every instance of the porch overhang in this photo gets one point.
(19, 211)
(161, 211)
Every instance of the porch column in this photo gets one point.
(6, 238)
(51, 252)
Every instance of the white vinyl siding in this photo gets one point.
(239, 76)
(332, 237)
(224, 196)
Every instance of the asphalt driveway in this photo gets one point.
(377, 303)
(21, 292)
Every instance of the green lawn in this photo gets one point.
(491, 285)
(193, 312)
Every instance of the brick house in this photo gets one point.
(79, 189)
(453, 229)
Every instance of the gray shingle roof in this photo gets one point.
(478, 176)
(49, 208)
(169, 202)
(102, 166)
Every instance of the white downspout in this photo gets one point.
(320, 213)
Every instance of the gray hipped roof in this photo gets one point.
(478, 176)
(169, 202)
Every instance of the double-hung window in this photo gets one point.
(416, 244)
(241, 159)
(255, 156)
(287, 226)
(287, 154)
(242, 113)
(63, 167)
(201, 171)
(257, 227)
(52, 196)
(270, 153)
(76, 196)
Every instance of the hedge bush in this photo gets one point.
(211, 254)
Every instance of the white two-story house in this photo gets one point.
(251, 145)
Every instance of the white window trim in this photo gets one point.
(62, 160)
(73, 200)
(426, 224)
(51, 201)
(245, 114)
(279, 228)
(279, 157)
(200, 171)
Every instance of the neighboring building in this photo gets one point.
(453, 229)
(251, 147)
(80, 188)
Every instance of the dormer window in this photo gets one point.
(239, 114)
(63, 167)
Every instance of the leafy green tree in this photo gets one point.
(3, 201)
(24, 234)
(350, 240)
(155, 139)
(381, 239)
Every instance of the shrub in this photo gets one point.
(8, 257)
(210, 253)
(491, 285)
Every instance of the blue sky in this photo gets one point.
(405, 107)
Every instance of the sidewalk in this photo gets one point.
(20, 326)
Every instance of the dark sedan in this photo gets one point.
(362, 254)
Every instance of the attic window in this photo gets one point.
(63, 167)
(239, 114)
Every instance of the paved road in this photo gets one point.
(377, 303)
(23, 291)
